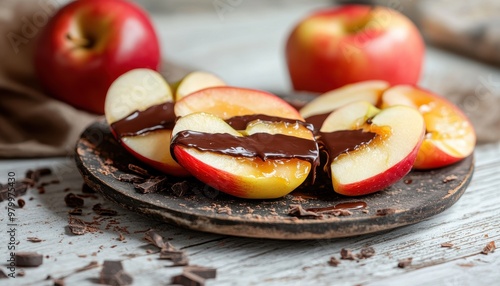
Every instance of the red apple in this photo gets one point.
(88, 44)
(361, 165)
(237, 174)
(346, 44)
(449, 137)
(136, 91)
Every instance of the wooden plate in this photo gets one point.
(420, 195)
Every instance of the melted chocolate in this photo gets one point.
(341, 206)
(156, 117)
(262, 145)
(343, 141)
(241, 122)
(317, 120)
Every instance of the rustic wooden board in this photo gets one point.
(418, 196)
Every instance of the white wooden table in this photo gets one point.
(246, 49)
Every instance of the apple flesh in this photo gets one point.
(195, 81)
(86, 45)
(450, 136)
(352, 43)
(138, 90)
(379, 163)
(252, 178)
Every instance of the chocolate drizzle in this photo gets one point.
(317, 120)
(241, 122)
(343, 141)
(156, 117)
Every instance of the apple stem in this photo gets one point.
(80, 42)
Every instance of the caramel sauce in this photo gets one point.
(341, 206)
(156, 117)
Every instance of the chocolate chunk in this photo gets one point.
(98, 209)
(203, 272)
(151, 185)
(34, 239)
(73, 201)
(112, 273)
(346, 254)
(3, 275)
(77, 226)
(155, 239)
(490, 247)
(138, 170)
(59, 282)
(86, 189)
(405, 262)
(32, 175)
(180, 188)
(299, 211)
(333, 261)
(178, 257)
(19, 189)
(366, 252)
(188, 279)
(129, 178)
(75, 211)
(21, 203)
(28, 259)
(383, 212)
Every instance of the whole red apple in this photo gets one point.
(352, 43)
(88, 44)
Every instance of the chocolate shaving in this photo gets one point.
(151, 185)
(130, 178)
(489, 248)
(383, 212)
(98, 209)
(34, 239)
(77, 226)
(138, 170)
(28, 259)
(19, 189)
(333, 261)
(73, 201)
(299, 211)
(21, 203)
(447, 244)
(403, 263)
(155, 239)
(346, 254)
(112, 273)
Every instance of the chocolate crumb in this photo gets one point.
(77, 226)
(18, 190)
(447, 244)
(138, 170)
(34, 239)
(73, 201)
(188, 279)
(41, 190)
(98, 209)
(75, 211)
(32, 175)
(489, 248)
(151, 185)
(333, 261)
(366, 252)
(59, 282)
(299, 211)
(130, 178)
(21, 203)
(112, 273)
(383, 212)
(91, 265)
(121, 237)
(44, 171)
(86, 189)
(405, 262)
(450, 178)
(28, 259)
(180, 188)
(346, 254)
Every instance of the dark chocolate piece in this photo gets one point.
(98, 209)
(178, 257)
(155, 239)
(28, 259)
(129, 178)
(138, 170)
(112, 273)
(403, 263)
(19, 189)
(346, 254)
(152, 185)
(77, 226)
(3, 275)
(21, 203)
(188, 279)
(366, 252)
(75, 211)
(333, 261)
(73, 201)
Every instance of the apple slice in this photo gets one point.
(450, 136)
(243, 163)
(195, 81)
(139, 110)
(370, 149)
(318, 109)
(227, 101)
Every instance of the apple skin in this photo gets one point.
(107, 38)
(351, 43)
